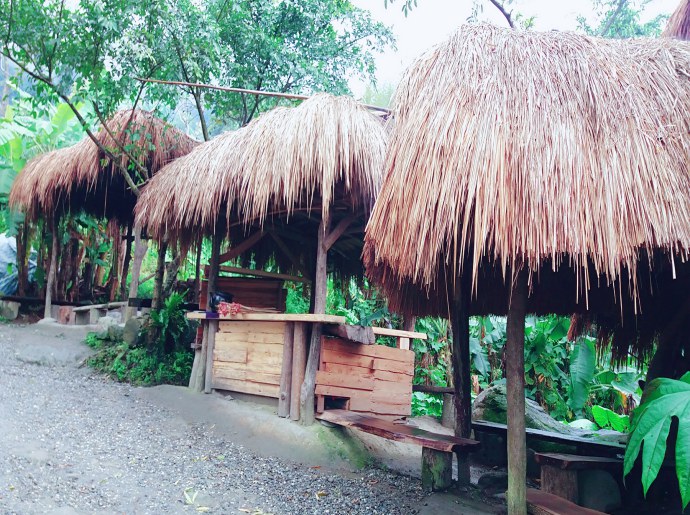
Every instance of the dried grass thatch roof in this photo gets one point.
(81, 177)
(678, 25)
(290, 166)
(565, 154)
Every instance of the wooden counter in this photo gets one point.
(269, 317)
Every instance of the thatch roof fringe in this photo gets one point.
(284, 161)
(81, 177)
(525, 148)
(678, 25)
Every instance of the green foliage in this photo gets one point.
(170, 325)
(582, 368)
(663, 400)
(137, 365)
(608, 419)
(621, 19)
(427, 404)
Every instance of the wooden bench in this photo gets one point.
(82, 315)
(544, 503)
(437, 449)
(559, 472)
(583, 446)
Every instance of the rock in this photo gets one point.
(116, 332)
(583, 423)
(106, 321)
(9, 310)
(45, 321)
(493, 481)
(130, 333)
(490, 405)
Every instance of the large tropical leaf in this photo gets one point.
(582, 368)
(663, 399)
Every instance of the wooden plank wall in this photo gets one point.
(252, 292)
(248, 356)
(376, 379)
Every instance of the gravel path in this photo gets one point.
(74, 442)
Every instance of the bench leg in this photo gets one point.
(562, 483)
(437, 469)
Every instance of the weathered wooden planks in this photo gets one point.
(248, 357)
(374, 378)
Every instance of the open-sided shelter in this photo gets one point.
(538, 172)
(295, 186)
(82, 178)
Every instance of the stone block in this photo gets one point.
(9, 310)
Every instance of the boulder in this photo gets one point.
(9, 310)
(131, 331)
(115, 332)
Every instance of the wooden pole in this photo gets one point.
(197, 272)
(299, 360)
(50, 281)
(140, 248)
(320, 286)
(515, 387)
(210, 345)
(286, 371)
(462, 383)
(125, 265)
(156, 301)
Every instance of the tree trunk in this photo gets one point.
(50, 281)
(125, 265)
(171, 270)
(320, 289)
(114, 276)
(41, 258)
(23, 259)
(462, 383)
(197, 273)
(515, 387)
(140, 247)
(156, 302)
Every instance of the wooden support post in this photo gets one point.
(286, 371)
(210, 344)
(437, 469)
(462, 383)
(157, 301)
(299, 360)
(515, 387)
(198, 375)
(140, 247)
(125, 264)
(50, 281)
(320, 285)
(197, 380)
(197, 273)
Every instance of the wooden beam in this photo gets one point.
(241, 248)
(384, 331)
(286, 371)
(515, 388)
(210, 345)
(320, 287)
(299, 359)
(288, 253)
(337, 232)
(52, 268)
(353, 333)
(262, 273)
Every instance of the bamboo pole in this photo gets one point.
(515, 387)
(50, 281)
(255, 92)
(462, 383)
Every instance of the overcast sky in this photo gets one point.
(433, 20)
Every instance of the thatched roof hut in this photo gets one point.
(282, 173)
(81, 177)
(557, 152)
(678, 25)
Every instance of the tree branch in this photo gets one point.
(507, 15)
(612, 18)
